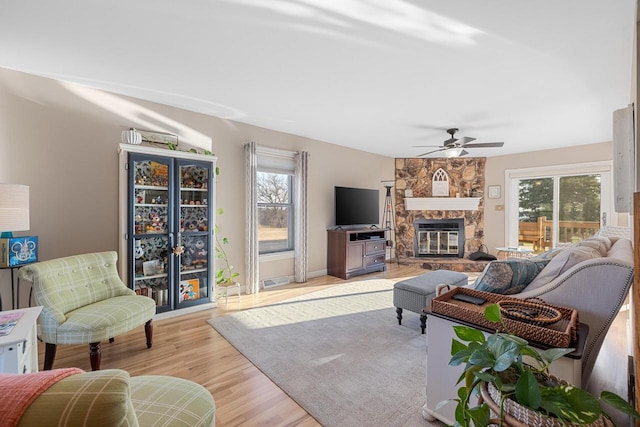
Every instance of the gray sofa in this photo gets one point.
(596, 287)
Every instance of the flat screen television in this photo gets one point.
(357, 206)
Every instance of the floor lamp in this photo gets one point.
(389, 220)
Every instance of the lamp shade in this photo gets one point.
(14, 207)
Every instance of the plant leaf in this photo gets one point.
(619, 403)
(555, 353)
(571, 404)
(480, 415)
(527, 390)
(457, 346)
(482, 358)
(492, 313)
(459, 358)
(466, 333)
(485, 376)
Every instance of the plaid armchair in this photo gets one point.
(105, 398)
(85, 302)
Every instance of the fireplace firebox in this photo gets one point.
(439, 237)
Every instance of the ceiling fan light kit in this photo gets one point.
(454, 147)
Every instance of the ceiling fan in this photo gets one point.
(454, 147)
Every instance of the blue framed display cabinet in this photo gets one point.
(167, 224)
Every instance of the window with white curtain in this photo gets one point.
(275, 201)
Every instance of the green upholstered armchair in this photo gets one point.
(108, 398)
(85, 302)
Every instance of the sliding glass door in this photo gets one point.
(547, 207)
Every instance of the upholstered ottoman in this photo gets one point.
(416, 293)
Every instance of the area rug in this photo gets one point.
(339, 353)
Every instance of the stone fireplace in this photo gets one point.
(466, 181)
(439, 237)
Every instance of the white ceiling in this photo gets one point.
(375, 75)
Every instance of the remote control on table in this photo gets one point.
(469, 298)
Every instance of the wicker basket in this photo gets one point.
(516, 415)
(533, 312)
(559, 334)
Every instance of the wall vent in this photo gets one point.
(276, 281)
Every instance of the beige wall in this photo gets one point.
(61, 140)
(494, 175)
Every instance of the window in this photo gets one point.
(557, 205)
(275, 212)
(274, 186)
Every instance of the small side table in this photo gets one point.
(513, 252)
(15, 287)
(226, 287)
(19, 349)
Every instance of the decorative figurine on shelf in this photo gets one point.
(138, 252)
(199, 253)
(156, 224)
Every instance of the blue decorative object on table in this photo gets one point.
(18, 251)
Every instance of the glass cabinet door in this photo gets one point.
(194, 224)
(151, 231)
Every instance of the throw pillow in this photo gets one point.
(562, 262)
(595, 244)
(611, 231)
(509, 276)
(545, 256)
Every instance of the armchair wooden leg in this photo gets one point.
(95, 355)
(49, 356)
(148, 331)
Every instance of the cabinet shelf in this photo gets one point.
(154, 276)
(150, 187)
(197, 270)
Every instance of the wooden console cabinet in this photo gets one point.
(354, 252)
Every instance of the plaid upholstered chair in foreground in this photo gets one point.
(85, 302)
(108, 398)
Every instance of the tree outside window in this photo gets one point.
(275, 212)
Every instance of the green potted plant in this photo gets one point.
(224, 271)
(497, 362)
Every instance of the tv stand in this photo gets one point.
(355, 252)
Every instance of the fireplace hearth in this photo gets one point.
(439, 237)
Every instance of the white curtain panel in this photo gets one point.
(252, 262)
(301, 222)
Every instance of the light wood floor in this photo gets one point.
(188, 347)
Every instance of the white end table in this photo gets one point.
(19, 349)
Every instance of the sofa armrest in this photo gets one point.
(597, 289)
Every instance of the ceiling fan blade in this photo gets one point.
(465, 140)
(430, 152)
(485, 145)
(422, 146)
(463, 153)
(450, 141)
